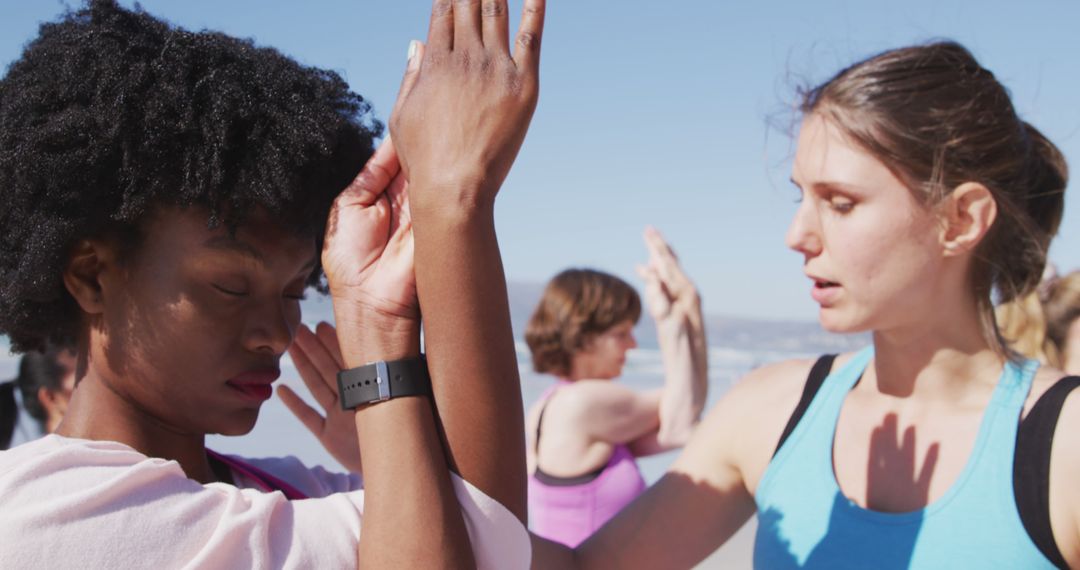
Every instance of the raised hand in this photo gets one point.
(318, 359)
(459, 122)
(669, 293)
(466, 101)
(368, 252)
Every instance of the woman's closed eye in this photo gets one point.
(840, 204)
(230, 290)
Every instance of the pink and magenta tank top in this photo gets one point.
(569, 509)
(262, 480)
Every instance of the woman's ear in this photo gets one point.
(54, 401)
(967, 215)
(87, 264)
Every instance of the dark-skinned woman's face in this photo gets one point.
(196, 320)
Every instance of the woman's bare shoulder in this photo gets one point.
(741, 431)
(780, 384)
(1045, 378)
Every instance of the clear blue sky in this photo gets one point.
(658, 113)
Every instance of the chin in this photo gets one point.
(837, 324)
(240, 423)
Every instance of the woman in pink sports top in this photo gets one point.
(586, 431)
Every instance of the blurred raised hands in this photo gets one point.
(669, 294)
(318, 359)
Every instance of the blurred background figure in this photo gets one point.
(1062, 309)
(1045, 324)
(585, 432)
(43, 389)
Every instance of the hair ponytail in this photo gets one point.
(1048, 174)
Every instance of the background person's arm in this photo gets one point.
(679, 520)
(707, 494)
(458, 126)
(659, 420)
(675, 305)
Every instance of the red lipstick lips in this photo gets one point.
(255, 384)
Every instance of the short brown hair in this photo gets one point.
(577, 304)
(938, 119)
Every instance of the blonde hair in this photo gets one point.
(1061, 308)
(1022, 325)
(1037, 325)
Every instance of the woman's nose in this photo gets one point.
(803, 235)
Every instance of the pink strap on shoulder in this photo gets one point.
(265, 481)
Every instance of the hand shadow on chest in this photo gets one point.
(895, 483)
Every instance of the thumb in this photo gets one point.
(412, 72)
(378, 173)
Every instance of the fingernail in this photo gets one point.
(413, 46)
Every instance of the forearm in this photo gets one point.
(547, 554)
(412, 518)
(470, 348)
(685, 381)
(699, 345)
(411, 515)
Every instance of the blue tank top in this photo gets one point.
(805, 521)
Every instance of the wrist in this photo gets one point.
(692, 301)
(367, 334)
(451, 199)
(672, 325)
(383, 380)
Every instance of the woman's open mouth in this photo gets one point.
(824, 292)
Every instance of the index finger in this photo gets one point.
(660, 253)
(327, 334)
(527, 43)
(311, 377)
(663, 257)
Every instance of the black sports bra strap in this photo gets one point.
(540, 421)
(1031, 467)
(814, 380)
(553, 480)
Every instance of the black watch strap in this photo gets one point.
(382, 380)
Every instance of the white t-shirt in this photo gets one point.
(74, 503)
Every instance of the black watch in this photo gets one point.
(382, 380)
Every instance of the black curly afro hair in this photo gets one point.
(110, 113)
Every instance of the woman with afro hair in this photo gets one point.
(167, 195)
